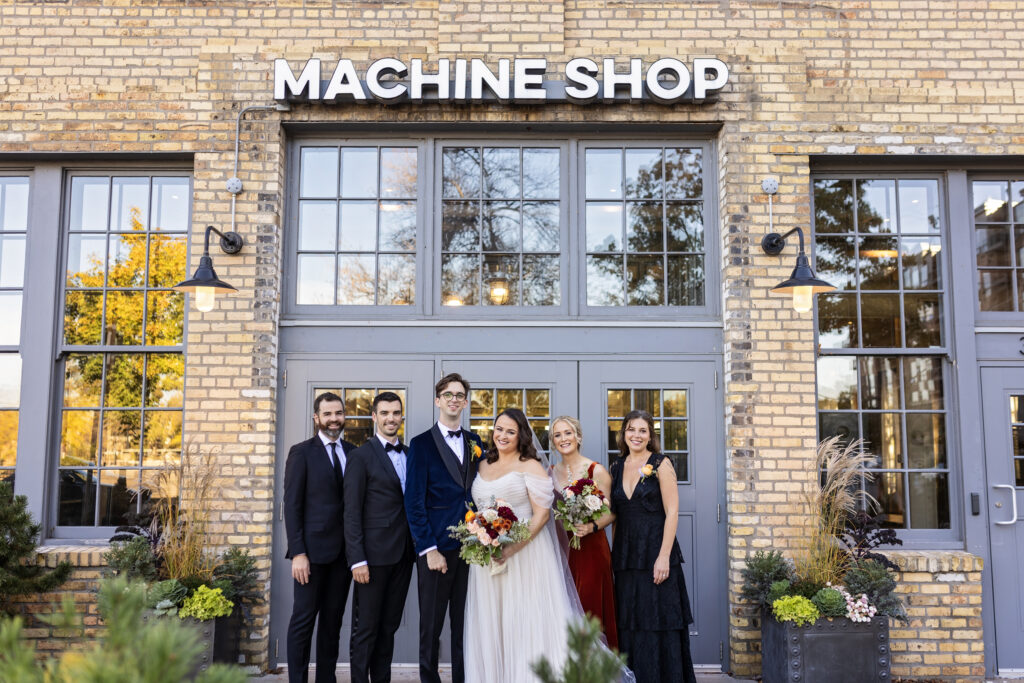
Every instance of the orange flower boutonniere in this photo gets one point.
(648, 471)
(477, 452)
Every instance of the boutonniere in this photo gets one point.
(476, 450)
(648, 471)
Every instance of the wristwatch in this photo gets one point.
(596, 527)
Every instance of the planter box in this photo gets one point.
(227, 638)
(206, 632)
(827, 651)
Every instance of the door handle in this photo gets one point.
(1013, 502)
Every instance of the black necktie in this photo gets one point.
(336, 463)
(397, 448)
(456, 434)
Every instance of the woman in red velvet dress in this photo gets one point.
(591, 565)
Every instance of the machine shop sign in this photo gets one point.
(519, 81)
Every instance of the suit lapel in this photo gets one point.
(385, 461)
(448, 457)
(470, 467)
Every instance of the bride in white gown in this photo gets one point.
(520, 614)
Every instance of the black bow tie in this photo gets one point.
(398, 448)
(452, 435)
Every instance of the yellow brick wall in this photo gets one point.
(808, 78)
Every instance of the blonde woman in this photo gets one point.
(591, 565)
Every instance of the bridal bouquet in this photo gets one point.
(483, 534)
(582, 502)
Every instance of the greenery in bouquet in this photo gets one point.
(581, 502)
(483, 534)
(835, 572)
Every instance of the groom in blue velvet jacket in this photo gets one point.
(442, 464)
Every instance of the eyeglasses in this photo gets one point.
(449, 396)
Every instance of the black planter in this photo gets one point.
(827, 651)
(206, 630)
(227, 638)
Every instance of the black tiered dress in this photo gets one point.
(653, 619)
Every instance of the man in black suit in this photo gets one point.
(314, 520)
(442, 464)
(377, 542)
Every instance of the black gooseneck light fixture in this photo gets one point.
(204, 284)
(802, 284)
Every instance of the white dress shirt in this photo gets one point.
(338, 449)
(397, 459)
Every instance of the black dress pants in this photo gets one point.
(440, 593)
(322, 602)
(376, 615)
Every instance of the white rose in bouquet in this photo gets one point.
(490, 514)
(593, 502)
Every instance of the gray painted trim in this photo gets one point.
(502, 323)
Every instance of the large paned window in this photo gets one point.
(882, 337)
(13, 231)
(999, 243)
(122, 339)
(357, 219)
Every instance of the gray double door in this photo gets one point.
(682, 394)
(1003, 409)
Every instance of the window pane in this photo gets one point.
(924, 321)
(123, 380)
(837, 321)
(685, 280)
(318, 226)
(922, 263)
(887, 489)
(10, 380)
(674, 435)
(618, 403)
(126, 262)
(844, 425)
(89, 198)
(398, 172)
(929, 501)
(460, 169)
(8, 442)
(919, 206)
(876, 205)
(122, 438)
(833, 206)
(129, 204)
(644, 280)
(990, 201)
(604, 173)
(12, 261)
(116, 498)
(318, 175)
(675, 402)
(541, 174)
(397, 226)
(501, 173)
(878, 263)
(166, 260)
(604, 227)
(922, 380)
(683, 173)
(165, 316)
(87, 258)
(880, 382)
(460, 281)
(482, 402)
(501, 280)
(644, 175)
(926, 440)
(880, 320)
(995, 290)
(14, 204)
(649, 400)
(837, 383)
(79, 438)
(835, 262)
(684, 226)
(358, 402)
(604, 281)
(10, 313)
(645, 227)
(359, 172)
(357, 279)
(541, 284)
(499, 226)
(358, 226)
(460, 223)
(396, 279)
(882, 437)
(538, 402)
(170, 204)
(165, 382)
(315, 282)
(83, 316)
(541, 226)
(123, 320)
(76, 499)
(993, 245)
(508, 398)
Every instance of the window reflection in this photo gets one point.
(671, 422)
(999, 243)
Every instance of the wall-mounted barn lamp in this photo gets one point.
(205, 284)
(802, 284)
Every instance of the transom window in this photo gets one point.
(13, 228)
(881, 337)
(999, 243)
(359, 410)
(668, 407)
(486, 403)
(121, 409)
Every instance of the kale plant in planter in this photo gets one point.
(825, 613)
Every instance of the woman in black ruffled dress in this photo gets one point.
(652, 606)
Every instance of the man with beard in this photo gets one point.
(314, 521)
(377, 542)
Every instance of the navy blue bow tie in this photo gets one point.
(452, 435)
(398, 448)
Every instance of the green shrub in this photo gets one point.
(795, 608)
(830, 602)
(806, 587)
(764, 569)
(170, 591)
(19, 573)
(779, 589)
(587, 661)
(206, 603)
(239, 579)
(132, 559)
(878, 582)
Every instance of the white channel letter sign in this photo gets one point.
(584, 80)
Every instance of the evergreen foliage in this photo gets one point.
(588, 662)
(778, 589)
(764, 569)
(19, 573)
(878, 582)
(133, 559)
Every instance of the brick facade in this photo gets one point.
(849, 78)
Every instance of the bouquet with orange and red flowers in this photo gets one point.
(484, 533)
(582, 502)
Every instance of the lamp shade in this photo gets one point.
(205, 276)
(803, 276)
